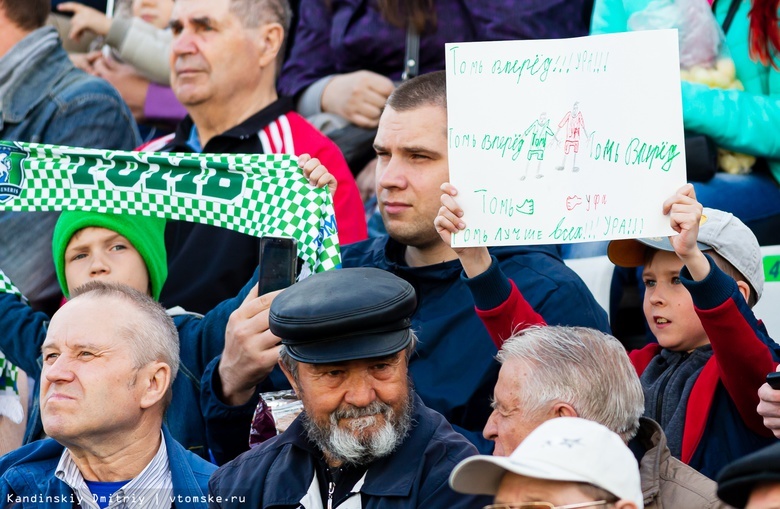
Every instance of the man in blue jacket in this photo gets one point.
(364, 439)
(109, 359)
(453, 369)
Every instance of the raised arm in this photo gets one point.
(498, 302)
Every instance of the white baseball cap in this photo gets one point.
(560, 449)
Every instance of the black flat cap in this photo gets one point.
(344, 314)
(737, 479)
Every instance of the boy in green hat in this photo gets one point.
(127, 249)
(86, 245)
(123, 249)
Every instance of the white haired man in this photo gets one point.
(549, 372)
(565, 463)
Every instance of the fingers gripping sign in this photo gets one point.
(448, 220)
(475, 260)
(685, 215)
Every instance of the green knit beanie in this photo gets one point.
(146, 234)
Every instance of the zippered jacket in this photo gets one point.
(280, 472)
(719, 403)
(207, 264)
(27, 477)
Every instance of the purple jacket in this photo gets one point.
(162, 105)
(352, 35)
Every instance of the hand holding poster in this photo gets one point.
(566, 140)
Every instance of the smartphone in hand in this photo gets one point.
(278, 263)
(773, 379)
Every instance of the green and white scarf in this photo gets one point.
(10, 405)
(257, 194)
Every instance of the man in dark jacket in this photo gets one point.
(453, 369)
(364, 440)
(104, 388)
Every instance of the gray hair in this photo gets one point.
(255, 12)
(583, 367)
(155, 338)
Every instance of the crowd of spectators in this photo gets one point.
(426, 375)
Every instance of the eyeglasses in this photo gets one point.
(545, 505)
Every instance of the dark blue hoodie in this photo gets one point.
(454, 368)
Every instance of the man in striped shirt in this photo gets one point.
(109, 359)
(224, 62)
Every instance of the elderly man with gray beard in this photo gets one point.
(364, 439)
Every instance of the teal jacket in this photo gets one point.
(746, 122)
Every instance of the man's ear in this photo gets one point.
(289, 378)
(561, 409)
(625, 504)
(271, 39)
(156, 378)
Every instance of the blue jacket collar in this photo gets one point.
(32, 466)
(387, 253)
(189, 472)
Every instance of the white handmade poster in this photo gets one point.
(565, 140)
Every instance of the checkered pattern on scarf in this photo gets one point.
(268, 193)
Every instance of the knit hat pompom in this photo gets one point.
(146, 234)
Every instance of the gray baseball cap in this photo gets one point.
(720, 231)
